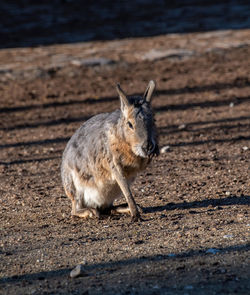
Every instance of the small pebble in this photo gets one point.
(182, 126)
(231, 105)
(165, 149)
(228, 193)
(245, 148)
(78, 271)
(227, 236)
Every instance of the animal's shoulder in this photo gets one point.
(92, 134)
(98, 124)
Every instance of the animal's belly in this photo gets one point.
(101, 196)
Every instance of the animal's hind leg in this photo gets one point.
(77, 199)
(69, 188)
(87, 213)
(78, 208)
(70, 195)
(124, 209)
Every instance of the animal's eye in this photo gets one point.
(130, 125)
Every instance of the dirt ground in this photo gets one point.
(194, 237)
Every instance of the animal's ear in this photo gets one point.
(149, 91)
(123, 98)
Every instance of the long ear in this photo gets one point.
(149, 91)
(123, 97)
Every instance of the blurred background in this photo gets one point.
(31, 23)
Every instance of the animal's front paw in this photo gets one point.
(136, 217)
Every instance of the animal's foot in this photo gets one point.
(136, 218)
(124, 209)
(87, 213)
(120, 209)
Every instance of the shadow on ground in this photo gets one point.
(228, 201)
(121, 273)
(237, 83)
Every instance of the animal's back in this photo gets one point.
(90, 139)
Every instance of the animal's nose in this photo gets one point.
(149, 147)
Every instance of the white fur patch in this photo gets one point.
(92, 197)
(99, 195)
(139, 152)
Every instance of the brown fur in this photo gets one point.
(103, 157)
(130, 162)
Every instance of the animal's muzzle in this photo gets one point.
(151, 148)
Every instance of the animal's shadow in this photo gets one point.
(228, 201)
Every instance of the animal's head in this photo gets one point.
(138, 122)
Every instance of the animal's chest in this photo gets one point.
(131, 164)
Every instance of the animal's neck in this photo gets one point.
(122, 149)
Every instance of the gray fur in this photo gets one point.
(102, 158)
